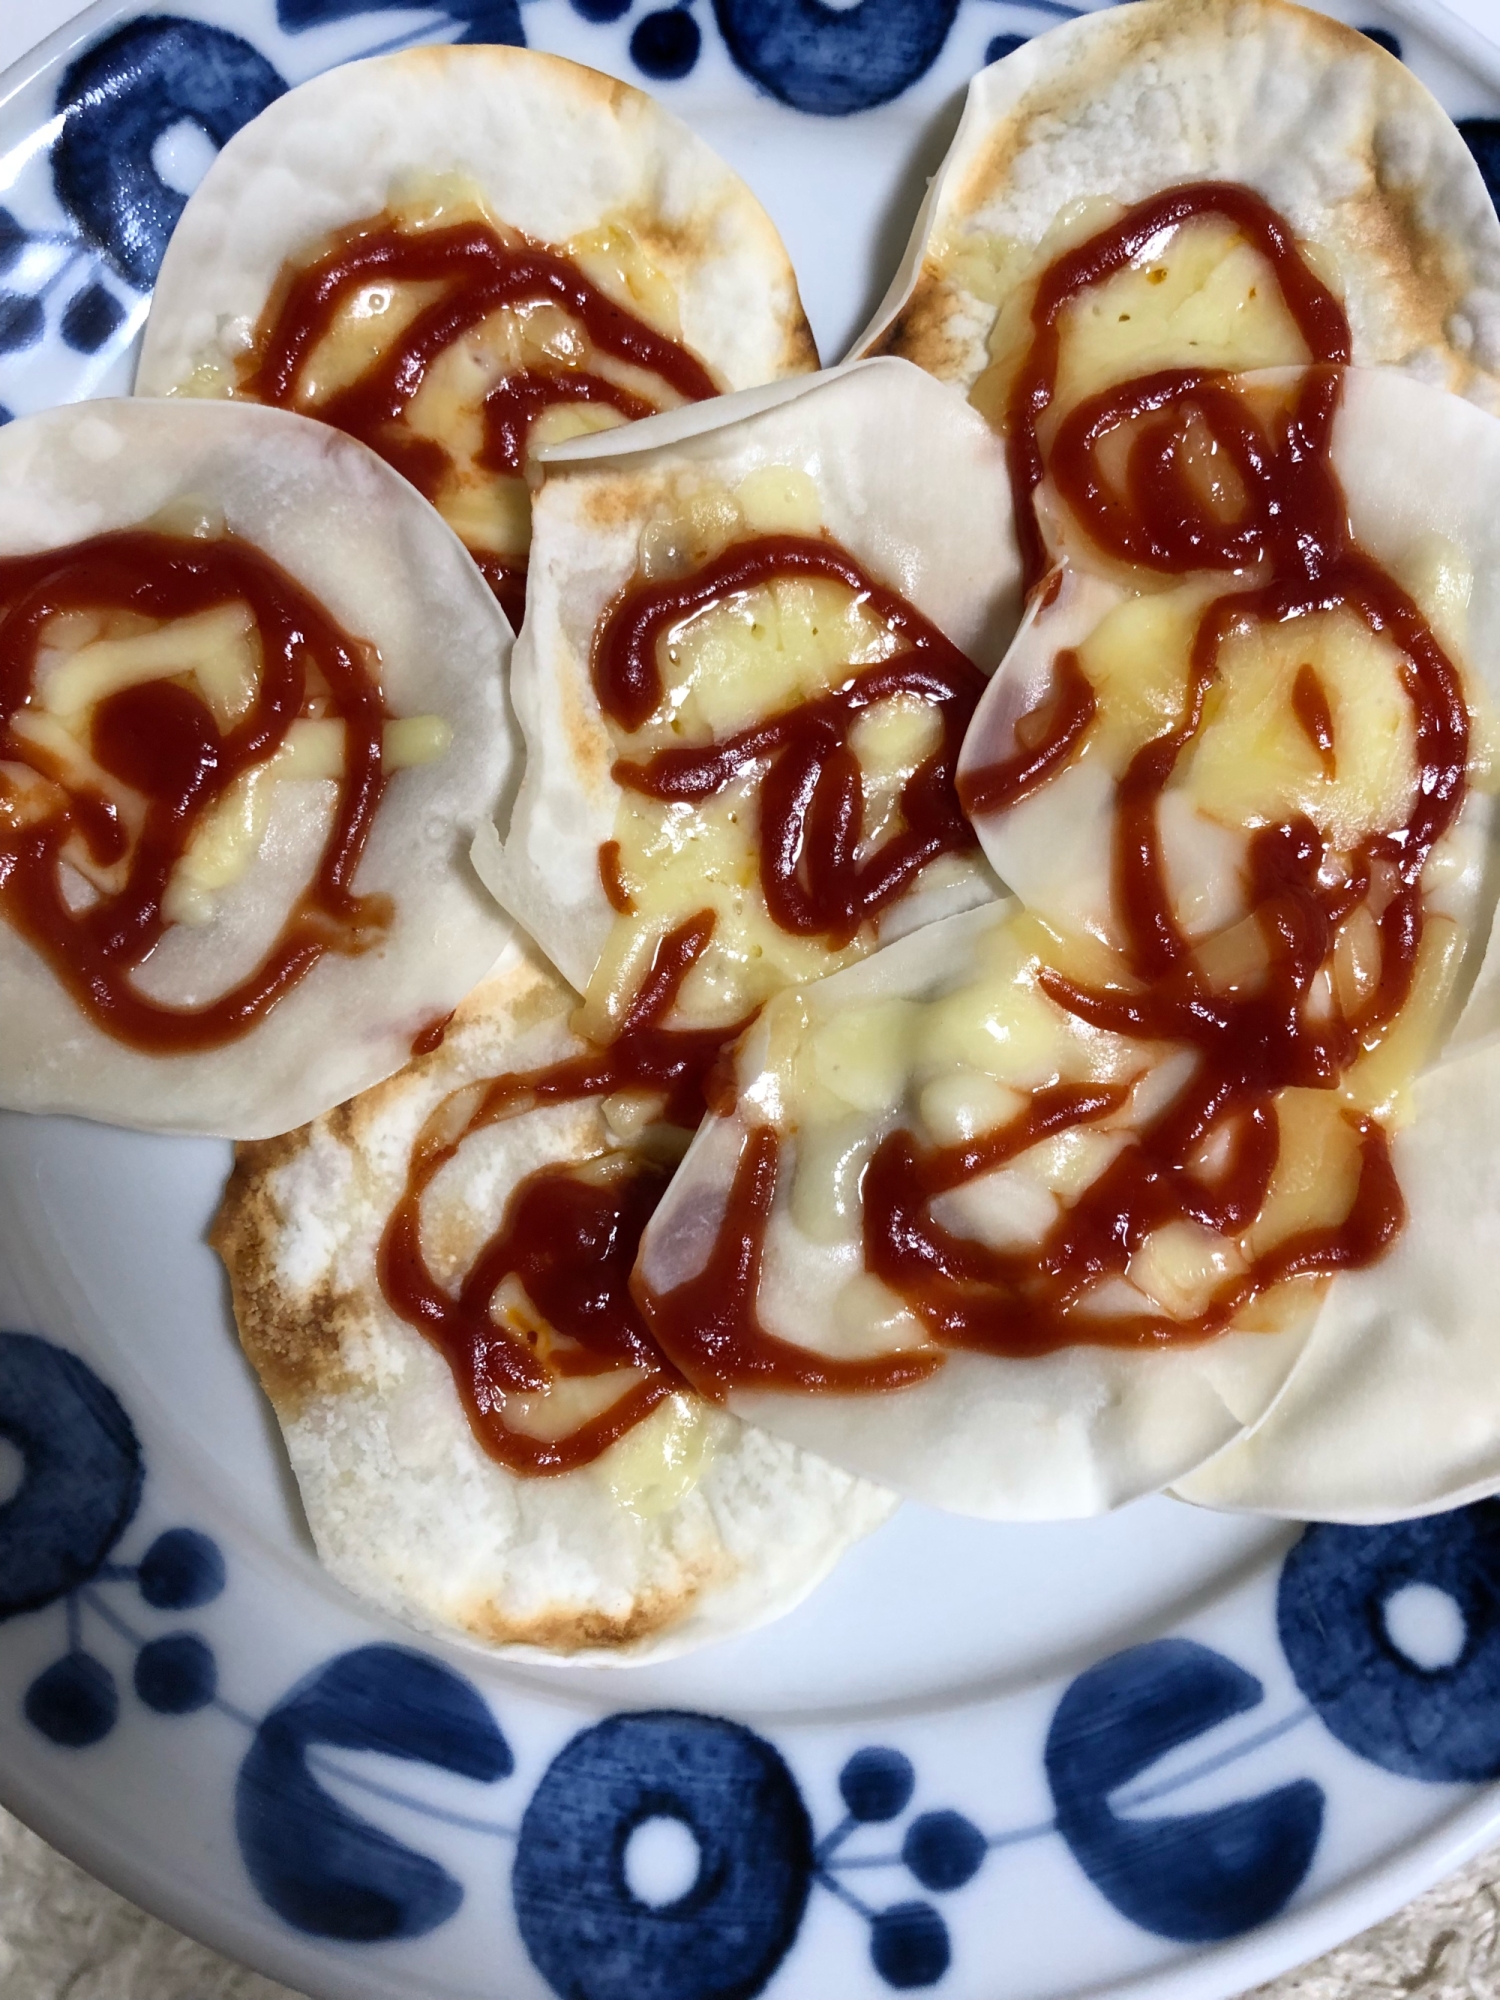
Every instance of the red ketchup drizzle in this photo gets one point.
(569, 1234)
(1318, 315)
(1292, 531)
(811, 794)
(479, 272)
(1310, 706)
(160, 739)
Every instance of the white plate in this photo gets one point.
(1165, 1753)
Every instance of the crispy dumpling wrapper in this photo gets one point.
(690, 1528)
(554, 149)
(361, 542)
(1102, 112)
(1394, 1408)
(1395, 444)
(893, 467)
(940, 1025)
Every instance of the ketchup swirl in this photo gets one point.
(569, 1234)
(161, 740)
(811, 794)
(479, 272)
(1319, 318)
(1290, 537)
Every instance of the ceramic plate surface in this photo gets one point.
(1166, 1752)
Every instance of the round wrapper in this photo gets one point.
(1069, 1434)
(1395, 443)
(361, 541)
(1335, 133)
(1394, 1408)
(604, 1564)
(555, 149)
(911, 483)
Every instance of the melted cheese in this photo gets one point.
(1203, 298)
(654, 1467)
(216, 646)
(489, 511)
(1253, 764)
(724, 670)
(229, 835)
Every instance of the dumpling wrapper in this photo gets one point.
(1071, 1434)
(909, 481)
(616, 1562)
(1394, 1409)
(555, 149)
(1395, 444)
(1332, 131)
(376, 555)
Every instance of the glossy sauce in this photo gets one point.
(479, 272)
(615, 893)
(569, 1234)
(162, 740)
(1291, 532)
(810, 798)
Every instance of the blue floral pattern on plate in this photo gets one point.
(592, 1933)
(83, 224)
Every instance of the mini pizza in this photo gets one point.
(432, 1282)
(251, 711)
(753, 646)
(1213, 133)
(458, 254)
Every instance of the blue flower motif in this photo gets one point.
(834, 60)
(480, 20)
(322, 1868)
(81, 1478)
(117, 100)
(590, 1935)
(1197, 1877)
(1436, 1718)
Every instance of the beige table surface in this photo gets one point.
(64, 1936)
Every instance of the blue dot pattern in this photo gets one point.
(665, 45)
(90, 319)
(943, 1850)
(74, 1702)
(909, 1945)
(877, 1784)
(176, 1675)
(181, 1570)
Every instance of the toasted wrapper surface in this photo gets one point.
(909, 482)
(1336, 134)
(692, 1527)
(1394, 1408)
(555, 150)
(387, 569)
(1065, 1435)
